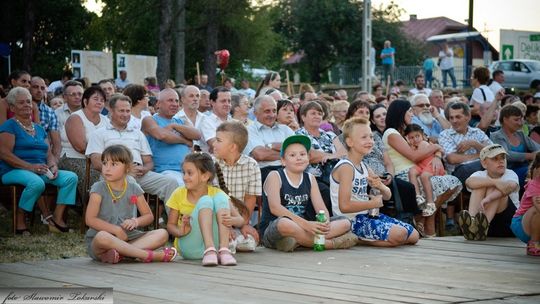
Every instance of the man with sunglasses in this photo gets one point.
(426, 116)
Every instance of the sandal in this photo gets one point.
(533, 248)
(226, 258)
(45, 219)
(167, 254)
(420, 201)
(23, 232)
(54, 227)
(110, 256)
(210, 257)
(420, 229)
(468, 225)
(430, 210)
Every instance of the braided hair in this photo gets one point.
(236, 202)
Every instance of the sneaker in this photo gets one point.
(420, 201)
(245, 244)
(533, 248)
(483, 226)
(468, 225)
(345, 241)
(287, 244)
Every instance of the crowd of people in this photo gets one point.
(210, 154)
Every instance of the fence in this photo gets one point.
(344, 75)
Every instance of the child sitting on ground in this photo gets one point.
(350, 184)
(201, 215)
(111, 211)
(494, 197)
(287, 193)
(526, 220)
(424, 169)
(239, 176)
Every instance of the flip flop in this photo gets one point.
(110, 256)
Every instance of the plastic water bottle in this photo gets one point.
(318, 242)
(374, 212)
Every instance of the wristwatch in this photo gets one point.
(269, 146)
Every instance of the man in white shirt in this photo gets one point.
(498, 80)
(73, 92)
(419, 86)
(122, 81)
(246, 90)
(266, 135)
(494, 197)
(221, 107)
(117, 132)
(446, 63)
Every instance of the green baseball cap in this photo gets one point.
(295, 139)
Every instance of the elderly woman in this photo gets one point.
(26, 159)
(520, 148)
(403, 157)
(339, 110)
(322, 156)
(79, 126)
(285, 114)
(240, 108)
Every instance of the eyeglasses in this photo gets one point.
(75, 94)
(423, 105)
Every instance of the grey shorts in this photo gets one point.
(272, 235)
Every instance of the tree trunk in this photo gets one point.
(165, 42)
(29, 27)
(180, 38)
(210, 63)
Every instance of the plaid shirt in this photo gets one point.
(242, 178)
(48, 118)
(450, 139)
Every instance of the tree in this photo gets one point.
(43, 33)
(329, 32)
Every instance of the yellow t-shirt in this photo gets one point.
(179, 201)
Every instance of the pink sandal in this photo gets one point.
(166, 255)
(110, 256)
(210, 257)
(533, 248)
(226, 258)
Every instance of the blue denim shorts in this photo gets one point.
(517, 229)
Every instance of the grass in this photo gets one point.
(42, 244)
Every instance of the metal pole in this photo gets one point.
(469, 45)
(366, 47)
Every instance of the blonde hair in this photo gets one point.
(348, 128)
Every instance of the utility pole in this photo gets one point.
(366, 47)
(469, 43)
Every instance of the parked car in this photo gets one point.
(255, 73)
(519, 73)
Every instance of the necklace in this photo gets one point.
(114, 197)
(30, 129)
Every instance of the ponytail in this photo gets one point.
(236, 202)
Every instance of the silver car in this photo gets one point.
(519, 73)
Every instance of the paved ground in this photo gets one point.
(438, 270)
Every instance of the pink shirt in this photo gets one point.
(532, 188)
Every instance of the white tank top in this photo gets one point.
(358, 190)
(89, 127)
